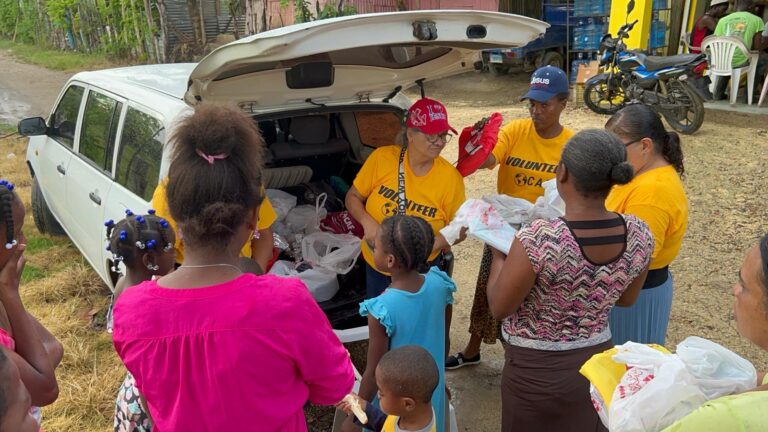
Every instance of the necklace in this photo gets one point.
(211, 265)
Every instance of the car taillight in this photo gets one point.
(700, 68)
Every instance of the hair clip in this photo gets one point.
(151, 211)
(123, 235)
(9, 186)
(141, 245)
(109, 248)
(140, 219)
(128, 212)
(164, 223)
(109, 223)
(11, 244)
(168, 247)
(3, 182)
(151, 244)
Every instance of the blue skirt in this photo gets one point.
(647, 320)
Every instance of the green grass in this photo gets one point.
(37, 244)
(55, 59)
(32, 273)
(6, 128)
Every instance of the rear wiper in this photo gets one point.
(310, 101)
(393, 94)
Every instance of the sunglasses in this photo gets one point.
(434, 139)
(633, 141)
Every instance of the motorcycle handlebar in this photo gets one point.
(626, 28)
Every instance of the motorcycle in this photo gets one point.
(658, 82)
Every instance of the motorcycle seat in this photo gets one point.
(654, 63)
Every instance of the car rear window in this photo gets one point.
(140, 153)
(64, 118)
(377, 129)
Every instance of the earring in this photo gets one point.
(256, 235)
(153, 267)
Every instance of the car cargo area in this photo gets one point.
(314, 158)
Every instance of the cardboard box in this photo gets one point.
(587, 71)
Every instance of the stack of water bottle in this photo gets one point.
(589, 29)
(658, 34)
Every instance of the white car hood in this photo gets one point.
(372, 55)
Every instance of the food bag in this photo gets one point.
(281, 201)
(332, 252)
(322, 284)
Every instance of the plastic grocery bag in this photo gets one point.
(306, 218)
(333, 252)
(519, 211)
(656, 390)
(482, 222)
(718, 370)
(281, 201)
(322, 284)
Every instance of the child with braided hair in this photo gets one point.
(144, 244)
(31, 347)
(412, 310)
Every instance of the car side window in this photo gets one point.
(140, 153)
(64, 119)
(99, 129)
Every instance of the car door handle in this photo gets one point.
(95, 198)
(61, 169)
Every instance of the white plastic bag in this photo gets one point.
(718, 370)
(281, 201)
(306, 218)
(322, 284)
(482, 222)
(333, 252)
(656, 391)
(518, 211)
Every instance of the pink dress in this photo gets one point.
(243, 355)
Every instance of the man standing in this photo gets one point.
(707, 23)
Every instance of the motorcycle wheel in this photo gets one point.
(688, 114)
(602, 100)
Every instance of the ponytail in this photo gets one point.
(635, 122)
(673, 152)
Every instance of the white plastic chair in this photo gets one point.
(764, 92)
(720, 50)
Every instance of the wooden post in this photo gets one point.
(151, 29)
(202, 23)
(163, 32)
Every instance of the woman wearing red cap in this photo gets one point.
(409, 178)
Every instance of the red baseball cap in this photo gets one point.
(429, 116)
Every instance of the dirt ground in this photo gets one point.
(725, 162)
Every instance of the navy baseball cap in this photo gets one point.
(546, 83)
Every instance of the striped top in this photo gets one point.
(568, 306)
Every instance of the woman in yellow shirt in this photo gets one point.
(427, 186)
(259, 249)
(527, 153)
(745, 411)
(656, 195)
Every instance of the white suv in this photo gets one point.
(325, 94)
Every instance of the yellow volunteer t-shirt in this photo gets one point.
(267, 216)
(434, 197)
(658, 198)
(526, 160)
(742, 412)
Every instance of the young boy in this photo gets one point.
(406, 377)
(15, 401)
